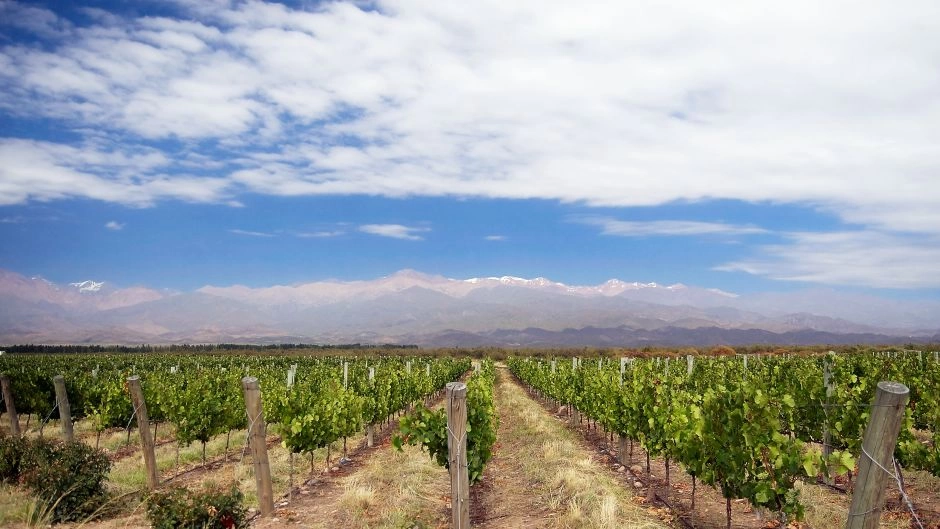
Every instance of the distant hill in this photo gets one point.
(411, 307)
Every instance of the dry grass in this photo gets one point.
(390, 489)
(563, 475)
(14, 506)
(827, 509)
(395, 489)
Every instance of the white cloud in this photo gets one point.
(395, 231)
(114, 225)
(617, 105)
(324, 234)
(39, 21)
(137, 176)
(249, 233)
(623, 228)
(848, 258)
(495, 238)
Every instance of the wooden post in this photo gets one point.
(11, 407)
(65, 410)
(622, 449)
(370, 428)
(457, 454)
(258, 444)
(143, 425)
(877, 459)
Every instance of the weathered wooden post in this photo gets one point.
(65, 410)
(143, 425)
(258, 445)
(11, 407)
(457, 454)
(876, 462)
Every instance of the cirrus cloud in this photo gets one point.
(847, 258)
(395, 231)
(625, 228)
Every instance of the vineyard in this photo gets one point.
(750, 426)
(753, 428)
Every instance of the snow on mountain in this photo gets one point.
(82, 295)
(330, 291)
(88, 286)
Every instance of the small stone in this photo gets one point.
(334, 469)
(636, 469)
(621, 468)
(637, 485)
(282, 504)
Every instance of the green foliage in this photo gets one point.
(68, 479)
(107, 401)
(202, 404)
(482, 420)
(429, 428)
(12, 451)
(313, 416)
(745, 454)
(209, 509)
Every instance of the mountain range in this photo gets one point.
(431, 310)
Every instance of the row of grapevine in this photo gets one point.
(428, 428)
(309, 400)
(743, 426)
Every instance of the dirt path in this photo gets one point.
(542, 474)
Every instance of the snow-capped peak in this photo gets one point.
(88, 286)
(515, 281)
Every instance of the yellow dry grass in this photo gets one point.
(562, 474)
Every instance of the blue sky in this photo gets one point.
(182, 143)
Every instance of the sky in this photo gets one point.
(763, 146)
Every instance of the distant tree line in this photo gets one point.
(193, 348)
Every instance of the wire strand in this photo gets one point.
(897, 480)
